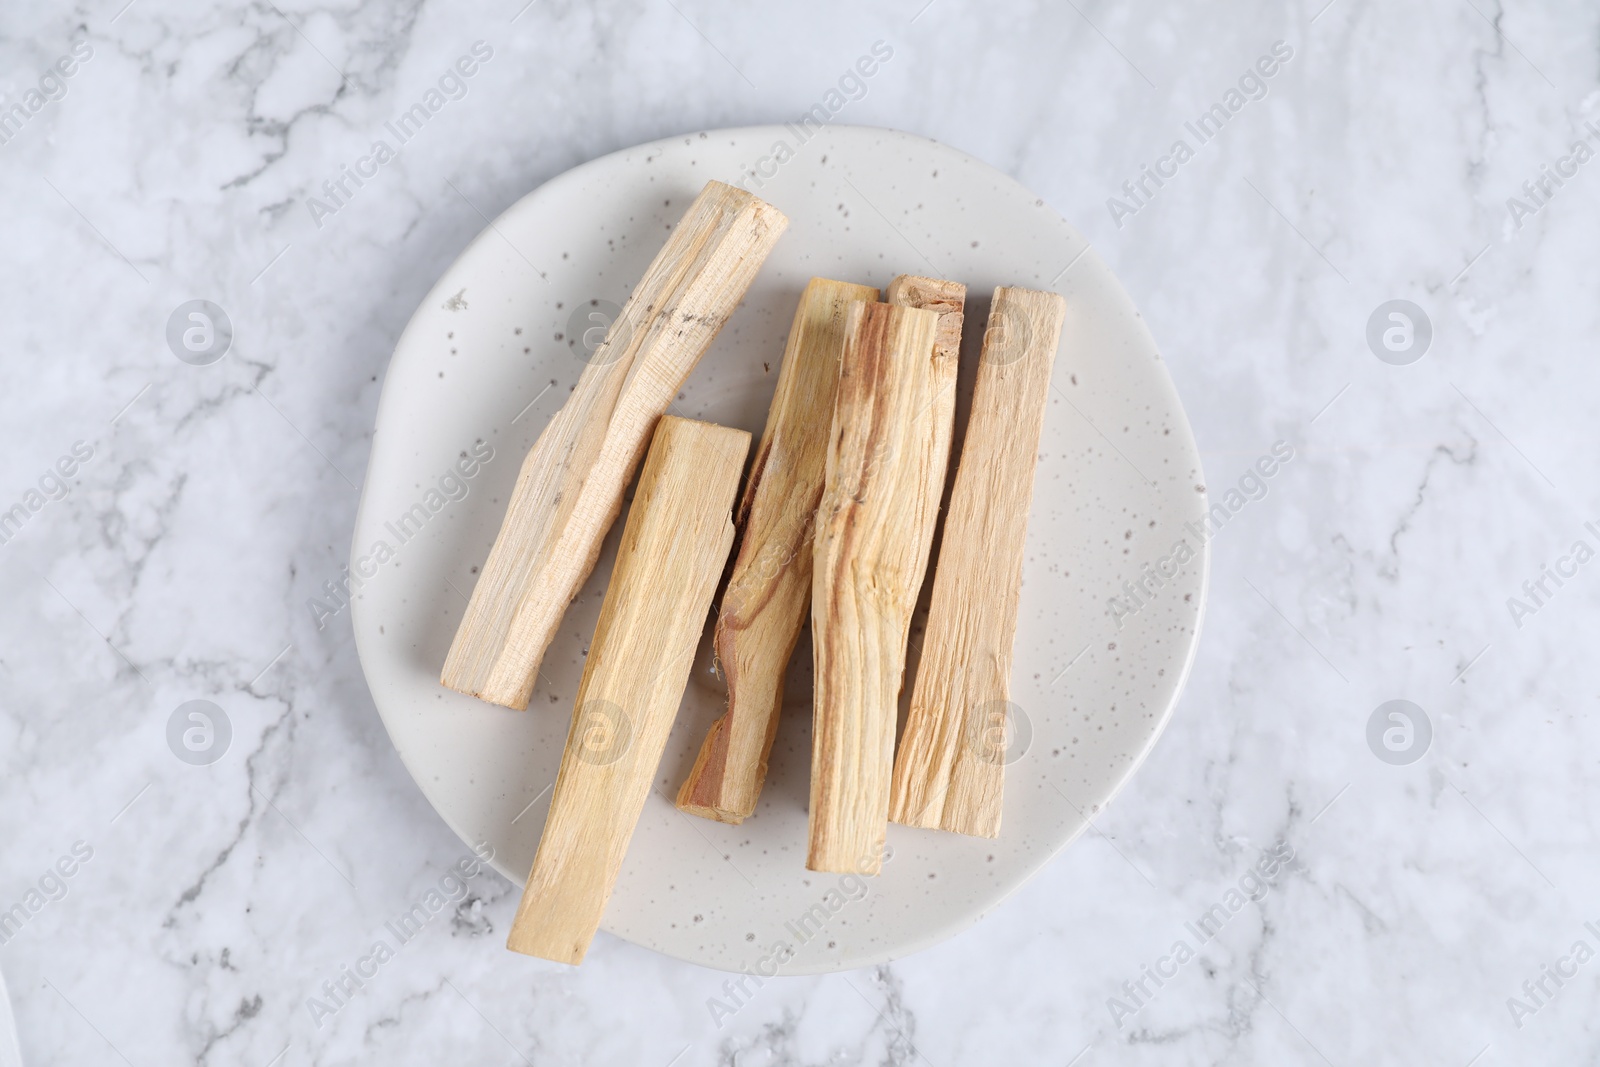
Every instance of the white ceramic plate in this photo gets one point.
(490, 356)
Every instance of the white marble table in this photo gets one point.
(1426, 904)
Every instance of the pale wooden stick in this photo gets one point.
(948, 299)
(885, 474)
(570, 487)
(764, 606)
(673, 549)
(950, 767)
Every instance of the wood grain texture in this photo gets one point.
(674, 546)
(885, 474)
(948, 299)
(769, 591)
(950, 767)
(570, 487)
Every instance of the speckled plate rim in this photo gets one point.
(1184, 444)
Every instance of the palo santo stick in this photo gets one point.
(768, 593)
(570, 487)
(885, 474)
(673, 549)
(950, 767)
(948, 299)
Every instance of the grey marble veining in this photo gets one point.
(1421, 545)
